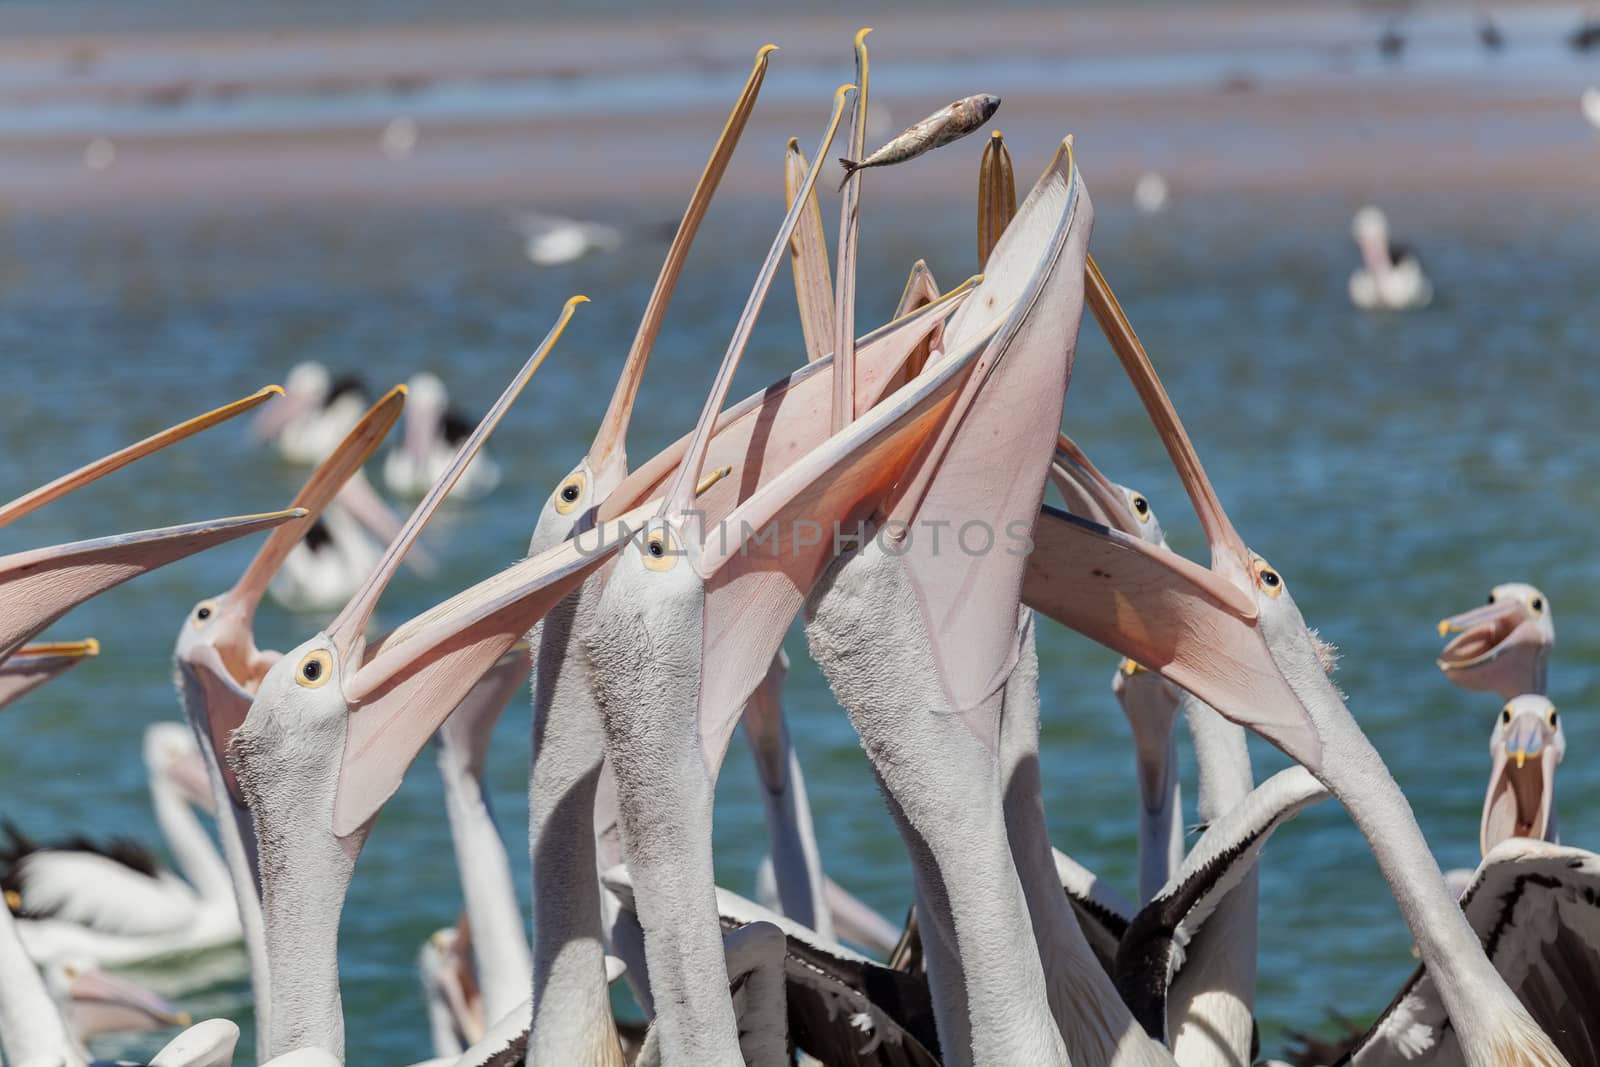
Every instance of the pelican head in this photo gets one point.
(1369, 224)
(1526, 748)
(96, 1003)
(218, 664)
(1502, 647)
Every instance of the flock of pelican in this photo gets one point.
(650, 611)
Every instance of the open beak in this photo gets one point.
(228, 667)
(1088, 493)
(398, 697)
(608, 457)
(92, 472)
(41, 585)
(33, 665)
(102, 1004)
(1494, 648)
(1197, 627)
(1521, 788)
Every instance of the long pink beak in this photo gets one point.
(105, 1004)
(1496, 649)
(226, 665)
(40, 586)
(33, 665)
(67, 483)
(1199, 628)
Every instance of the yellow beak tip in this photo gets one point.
(1522, 757)
(1444, 627)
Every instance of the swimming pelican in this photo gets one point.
(328, 565)
(314, 413)
(116, 905)
(94, 1003)
(433, 432)
(1392, 277)
(551, 241)
(1521, 798)
(33, 665)
(1232, 636)
(33, 1031)
(1502, 647)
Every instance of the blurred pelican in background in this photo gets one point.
(551, 240)
(94, 1003)
(1392, 277)
(1590, 102)
(314, 413)
(433, 432)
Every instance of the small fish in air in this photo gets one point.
(949, 123)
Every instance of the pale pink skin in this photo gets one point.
(1525, 749)
(1502, 647)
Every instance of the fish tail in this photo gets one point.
(850, 167)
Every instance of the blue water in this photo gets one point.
(1392, 466)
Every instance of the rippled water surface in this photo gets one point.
(1393, 467)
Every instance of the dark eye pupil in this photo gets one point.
(1269, 577)
(1538, 603)
(1505, 716)
(1491, 598)
(1140, 505)
(203, 613)
(311, 670)
(570, 493)
(1552, 718)
(656, 549)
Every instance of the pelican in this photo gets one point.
(551, 241)
(217, 667)
(1232, 636)
(314, 413)
(1502, 647)
(117, 905)
(33, 1030)
(433, 432)
(1391, 278)
(33, 665)
(311, 822)
(94, 1003)
(328, 565)
(1521, 798)
(1532, 904)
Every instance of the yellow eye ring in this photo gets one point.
(660, 550)
(1268, 579)
(315, 670)
(1505, 715)
(203, 612)
(1551, 718)
(570, 493)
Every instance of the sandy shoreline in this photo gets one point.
(580, 114)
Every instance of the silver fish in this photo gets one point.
(949, 123)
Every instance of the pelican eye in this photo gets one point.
(1537, 604)
(1141, 506)
(1268, 578)
(1491, 598)
(315, 669)
(204, 612)
(570, 492)
(1551, 718)
(1505, 715)
(661, 549)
